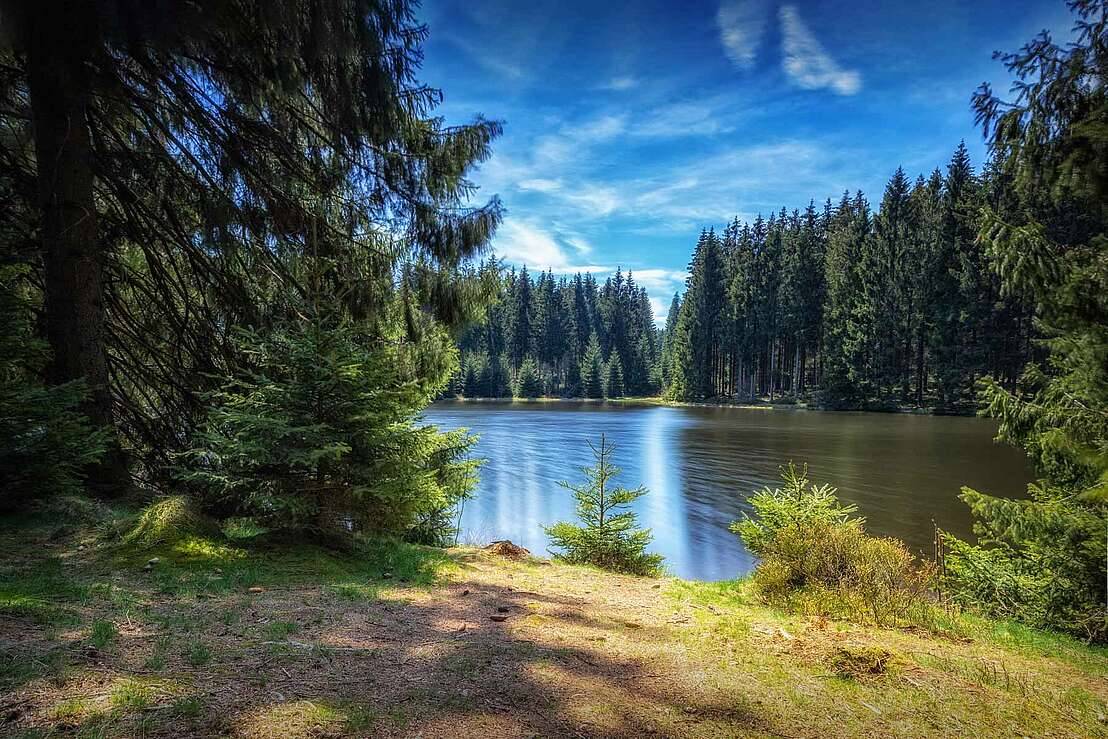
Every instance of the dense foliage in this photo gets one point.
(882, 308)
(607, 537)
(316, 435)
(187, 186)
(816, 558)
(577, 338)
(45, 442)
(1043, 559)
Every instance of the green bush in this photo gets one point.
(817, 559)
(320, 436)
(609, 538)
(45, 441)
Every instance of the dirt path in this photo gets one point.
(509, 649)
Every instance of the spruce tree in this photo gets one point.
(319, 437)
(613, 377)
(592, 383)
(519, 330)
(608, 536)
(528, 383)
(1041, 559)
(46, 443)
(184, 155)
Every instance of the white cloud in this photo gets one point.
(523, 243)
(807, 63)
(602, 128)
(488, 58)
(742, 23)
(540, 184)
(578, 243)
(664, 281)
(660, 308)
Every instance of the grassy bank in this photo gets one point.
(212, 636)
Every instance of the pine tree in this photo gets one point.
(1041, 559)
(701, 324)
(613, 377)
(183, 153)
(608, 537)
(885, 282)
(46, 444)
(319, 438)
(592, 385)
(668, 335)
(519, 329)
(844, 379)
(528, 382)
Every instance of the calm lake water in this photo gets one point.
(700, 464)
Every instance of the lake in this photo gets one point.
(902, 471)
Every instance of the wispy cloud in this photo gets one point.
(742, 23)
(700, 118)
(526, 244)
(489, 59)
(807, 63)
(578, 243)
(619, 84)
(663, 281)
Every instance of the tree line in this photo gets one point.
(862, 307)
(566, 336)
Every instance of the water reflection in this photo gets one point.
(700, 465)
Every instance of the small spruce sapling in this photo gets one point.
(609, 537)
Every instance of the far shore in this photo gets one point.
(763, 404)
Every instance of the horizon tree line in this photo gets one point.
(567, 336)
(854, 306)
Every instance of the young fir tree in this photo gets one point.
(528, 382)
(319, 436)
(613, 377)
(607, 537)
(592, 382)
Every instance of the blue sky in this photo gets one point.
(631, 126)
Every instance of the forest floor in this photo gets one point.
(222, 639)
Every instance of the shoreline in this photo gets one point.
(761, 405)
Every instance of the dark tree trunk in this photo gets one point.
(59, 51)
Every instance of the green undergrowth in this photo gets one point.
(182, 553)
(49, 565)
(740, 599)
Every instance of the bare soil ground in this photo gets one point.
(496, 648)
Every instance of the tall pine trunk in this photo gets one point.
(59, 49)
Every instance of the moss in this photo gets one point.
(168, 521)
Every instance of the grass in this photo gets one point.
(581, 652)
(131, 695)
(282, 629)
(103, 634)
(198, 654)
